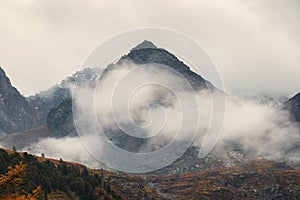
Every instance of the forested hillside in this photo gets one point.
(25, 176)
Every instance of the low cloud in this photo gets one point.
(67, 148)
(262, 130)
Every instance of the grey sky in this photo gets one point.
(255, 43)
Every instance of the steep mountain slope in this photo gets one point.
(255, 179)
(16, 114)
(293, 105)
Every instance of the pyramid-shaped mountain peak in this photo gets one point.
(146, 44)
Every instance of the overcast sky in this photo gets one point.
(255, 43)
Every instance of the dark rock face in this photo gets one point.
(60, 120)
(161, 56)
(145, 45)
(293, 105)
(16, 114)
(44, 103)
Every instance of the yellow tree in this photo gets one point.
(10, 181)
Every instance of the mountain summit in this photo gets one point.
(146, 44)
(147, 53)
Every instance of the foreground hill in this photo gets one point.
(57, 178)
(255, 179)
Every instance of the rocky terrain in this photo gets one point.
(254, 179)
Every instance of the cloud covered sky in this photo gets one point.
(255, 44)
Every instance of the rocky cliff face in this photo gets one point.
(60, 120)
(16, 114)
(293, 105)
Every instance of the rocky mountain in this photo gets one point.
(19, 113)
(53, 109)
(293, 105)
(16, 114)
(147, 53)
(60, 120)
(50, 100)
(44, 101)
(55, 104)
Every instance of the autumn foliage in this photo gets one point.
(10, 181)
